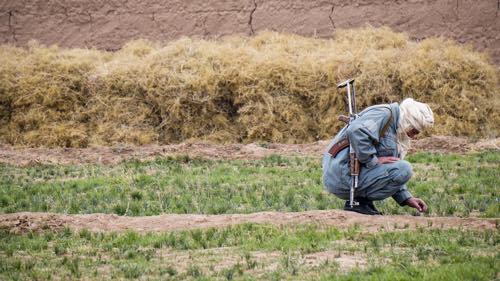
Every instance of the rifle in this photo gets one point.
(353, 160)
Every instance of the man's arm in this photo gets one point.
(364, 131)
(402, 195)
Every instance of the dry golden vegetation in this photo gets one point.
(272, 87)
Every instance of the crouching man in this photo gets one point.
(380, 137)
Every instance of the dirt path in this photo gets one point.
(117, 154)
(26, 221)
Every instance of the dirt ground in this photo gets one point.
(117, 154)
(27, 221)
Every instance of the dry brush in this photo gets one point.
(270, 87)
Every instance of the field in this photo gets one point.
(452, 185)
(200, 159)
(177, 220)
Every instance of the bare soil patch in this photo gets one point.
(117, 154)
(346, 261)
(218, 259)
(27, 221)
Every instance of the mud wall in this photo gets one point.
(109, 24)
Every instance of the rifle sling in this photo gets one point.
(339, 146)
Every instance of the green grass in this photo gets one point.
(458, 184)
(251, 252)
(450, 184)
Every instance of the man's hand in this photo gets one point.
(387, 159)
(417, 203)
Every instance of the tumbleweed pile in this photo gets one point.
(272, 87)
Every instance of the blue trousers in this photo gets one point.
(377, 183)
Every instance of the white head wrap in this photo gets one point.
(412, 115)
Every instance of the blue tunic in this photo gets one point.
(376, 181)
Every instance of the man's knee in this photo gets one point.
(403, 172)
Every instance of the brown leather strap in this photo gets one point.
(336, 148)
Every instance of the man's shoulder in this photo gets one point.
(384, 109)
